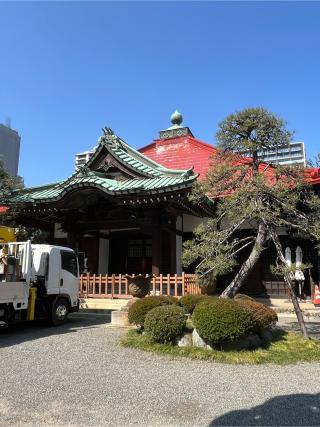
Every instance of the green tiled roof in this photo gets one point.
(152, 178)
(130, 157)
(110, 186)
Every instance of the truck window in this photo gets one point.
(69, 262)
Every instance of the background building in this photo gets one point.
(82, 158)
(9, 149)
(293, 154)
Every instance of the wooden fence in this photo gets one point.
(117, 286)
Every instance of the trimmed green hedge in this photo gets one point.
(223, 320)
(138, 311)
(188, 302)
(243, 297)
(165, 324)
(265, 316)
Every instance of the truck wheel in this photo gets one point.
(59, 312)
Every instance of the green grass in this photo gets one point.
(286, 348)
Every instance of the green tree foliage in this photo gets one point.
(253, 129)
(315, 162)
(8, 185)
(250, 195)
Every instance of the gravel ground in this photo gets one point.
(77, 375)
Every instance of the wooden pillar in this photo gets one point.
(73, 240)
(173, 257)
(156, 250)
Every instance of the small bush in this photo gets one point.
(188, 302)
(265, 316)
(219, 320)
(138, 311)
(243, 297)
(165, 324)
(168, 299)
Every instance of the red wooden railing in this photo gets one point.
(116, 286)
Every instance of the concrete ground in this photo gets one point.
(284, 305)
(290, 323)
(77, 375)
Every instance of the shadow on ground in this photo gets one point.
(313, 327)
(28, 331)
(290, 410)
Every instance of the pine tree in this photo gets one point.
(254, 196)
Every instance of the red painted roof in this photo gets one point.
(313, 175)
(182, 152)
(3, 209)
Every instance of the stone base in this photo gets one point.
(120, 318)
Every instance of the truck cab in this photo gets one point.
(38, 281)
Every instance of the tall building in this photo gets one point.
(9, 149)
(82, 158)
(294, 154)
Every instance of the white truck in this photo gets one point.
(37, 282)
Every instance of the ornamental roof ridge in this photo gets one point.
(130, 156)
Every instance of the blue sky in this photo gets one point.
(68, 69)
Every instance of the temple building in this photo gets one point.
(122, 211)
(127, 211)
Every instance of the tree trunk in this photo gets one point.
(248, 265)
(288, 281)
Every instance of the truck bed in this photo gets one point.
(13, 291)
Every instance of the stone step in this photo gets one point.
(102, 303)
(284, 306)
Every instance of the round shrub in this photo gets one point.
(188, 302)
(138, 311)
(265, 316)
(168, 299)
(223, 320)
(243, 297)
(165, 324)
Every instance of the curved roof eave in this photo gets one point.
(55, 194)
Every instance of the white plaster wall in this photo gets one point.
(281, 231)
(103, 256)
(58, 233)
(190, 222)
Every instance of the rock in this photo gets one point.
(197, 341)
(185, 340)
(266, 335)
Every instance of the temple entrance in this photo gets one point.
(133, 253)
(130, 253)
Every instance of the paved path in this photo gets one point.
(77, 375)
(290, 323)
